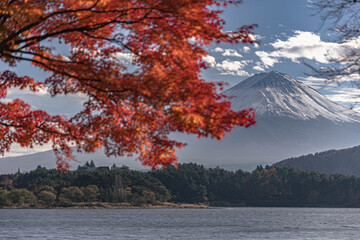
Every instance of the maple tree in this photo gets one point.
(130, 109)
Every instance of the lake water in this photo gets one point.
(223, 223)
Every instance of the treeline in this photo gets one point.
(189, 183)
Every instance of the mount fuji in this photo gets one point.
(292, 119)
(276, 94)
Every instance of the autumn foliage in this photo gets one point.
(130, 109)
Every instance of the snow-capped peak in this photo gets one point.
(277, 94)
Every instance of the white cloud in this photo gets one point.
(218, 49)
(253, 37)
(192, 39)
(345, 95)
(349, 97)
(268, 59)
(209, 60)
(26, 91)
(240, 73)
(228, 67)
(304, 45)
(231, 65)
(258, 68)
(227, 52)
(125, 57)
(246, 49)
(317, 83)
(325, 83)
(6, 100)
(231, 53)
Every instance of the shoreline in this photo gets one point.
(105, 205)
(167, 205)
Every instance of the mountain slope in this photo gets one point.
(344, 161)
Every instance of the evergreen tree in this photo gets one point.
(92, 164)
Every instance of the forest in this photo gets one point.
(188, 183)
(343, 161)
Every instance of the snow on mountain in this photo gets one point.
(277, 94)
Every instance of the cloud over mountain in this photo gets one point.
(304, 45)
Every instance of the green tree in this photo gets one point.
(48, 189)
(144, 197)
(46, 198)
(22, 196)
(149, 196)
(163, 194)
(4, 198)
(91, 193)
(71, 194)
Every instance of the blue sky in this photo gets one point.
(288, 31)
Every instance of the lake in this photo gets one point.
(222, 223)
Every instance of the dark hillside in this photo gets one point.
(344, 161)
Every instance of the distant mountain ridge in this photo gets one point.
(277, 94)
(47, 159)
(343, 161)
